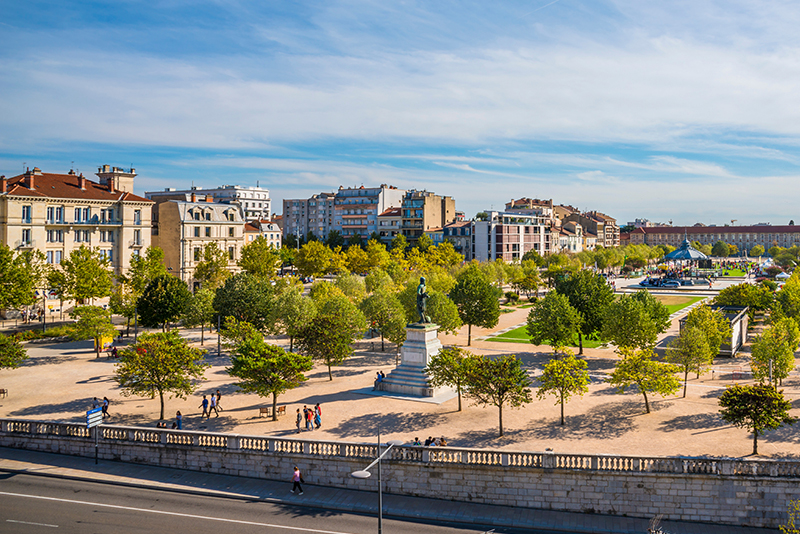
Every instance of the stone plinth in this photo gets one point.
(409, 378)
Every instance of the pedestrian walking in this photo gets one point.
(105, 407)
(299, 420)
(213, 406)
(297, 478)
(95, 403)
(308, 414)
(219, 397)
(317, 416)
(179, 420)
(204, 405)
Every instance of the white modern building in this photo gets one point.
(254, 201)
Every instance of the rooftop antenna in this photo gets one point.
(23, 166)
(72, 165)
(733, 221)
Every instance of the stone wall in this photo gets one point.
(718, 490)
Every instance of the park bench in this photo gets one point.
(3, 392)
(266, 411)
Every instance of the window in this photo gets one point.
(111, 236)
(197, 231)
(137, 237)
(26, 214)
(77, 215)
(197, 252)
(78, 236)
(51, 214)
(231, 216)
(208, 231)
(26, 236)
(57, 256)
(196, 215)
(231, 253)
(87, 236)
(231, 232)
(55, 236)
(137, 217)
(208, 216)
(87, 214)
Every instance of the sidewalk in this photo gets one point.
(395, 506)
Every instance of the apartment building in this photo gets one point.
(254, 201)
(509, 236)
(459, 233)
(357, 208)
(423, 211)
(598, 224)
(744, 237)
(571, 237)
(183, 229)
(57, 213)
(531, 206)
(303, 215)
(389, 224)
(266, 229)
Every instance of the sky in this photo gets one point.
(684, 111)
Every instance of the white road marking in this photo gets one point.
(29, 523)
(192, 516)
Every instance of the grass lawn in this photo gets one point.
(733, 272)
(675, 303)
(520, 335)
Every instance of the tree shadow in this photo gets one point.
(96, 380)
(77, 405)
(368, 425)
(337, 372)
(712, 394)
(606, 421)
(34, 361)
(694, 422)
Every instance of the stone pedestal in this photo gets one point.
(409, 378)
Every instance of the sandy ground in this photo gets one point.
(60, 379)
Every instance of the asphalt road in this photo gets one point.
(32, 504)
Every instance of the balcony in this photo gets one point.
(26, 220)
(25, 244)
(97, 221)
(54, 221)
(136, 243)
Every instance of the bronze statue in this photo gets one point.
(422, 301)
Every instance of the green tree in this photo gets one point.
(85, 276)
(123, 302)
(721, 249)
(444, 254)
(498, 382)
(12, 353)
(787, 300)
(200, 311)
(246, 297)
(564, 377)
(314, 259)
(334, 239)
(553, 320)
(144, 268)
(757, 298)
(355, 240)
(292, 312)
(757, 408)
(353, 287)
(757, 250)
(212, 270)
(441, 309)
(450, 367)
(690, 352)
(378, 279)
(476, 299)
(384, 312)
(377, 255)
(322, 290)
(260, 258)
(160, 363)
(530, 280)
(93, 322)
(635, 320)
(534, 256)
(163, 301)
(773, 351)
(713, 323)
(330, 336)
(17, 285)
(590, 295)
(262, 368)
(637, 367)
(399, 243)
(424, 242)
(357, 259)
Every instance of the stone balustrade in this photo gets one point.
(721, 490)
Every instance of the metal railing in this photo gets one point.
(408, 453)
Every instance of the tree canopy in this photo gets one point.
(12, 353)
(93, 323)
(757, 408)
(554, 321)
(639, 368)
(84, 275)
(500, 382)
(775, 346)
(564, 377)
(212, 270)
(163, 301)
(246, 297)
(260, 258)
(450, 367)
(635, 320)
(476, 299)
(590, 295)
(17, 285)
(690, 352)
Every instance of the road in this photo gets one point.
(32, 504)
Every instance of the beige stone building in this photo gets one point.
(183, 229)
(422, 211)
(57, 213)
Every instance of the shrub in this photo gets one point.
(511, 297)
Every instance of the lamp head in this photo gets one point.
(360, 474)
(395, 442)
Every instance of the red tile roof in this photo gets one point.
(49, 185)
(694, 230)
(391, 212)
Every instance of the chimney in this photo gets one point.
(209, 198)
(3, 184)
(29, 176)
(82, 182)
(194, 197)
(110, 184)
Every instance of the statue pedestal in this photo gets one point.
(409, 378)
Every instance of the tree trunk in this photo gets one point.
(202, 334)
(562, 410)
(382, 342)
(685, 381)
(128, 327)
(646, 403)
(330, 374)
(458, 389)
(755, 442)
(291, 344)
(97, 343)
(274, 406)
(469, 342)
(501, 419)
(161, 397)
(580, 345)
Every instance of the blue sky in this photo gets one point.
(682, 110)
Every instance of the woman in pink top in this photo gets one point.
(297, 478)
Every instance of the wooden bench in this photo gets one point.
(266, 411)
(3, 392)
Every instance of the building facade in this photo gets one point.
(254, 201)
(459, 233)
(58, 213)
(744, 237)
(303, 215)
(266, 229)
(389, 224)
(423, 211)
(599, 224)
(183, 229)
(509, 236)
(357, 209)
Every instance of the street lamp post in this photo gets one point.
(366, 474)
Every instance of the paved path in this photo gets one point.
(415, 508)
